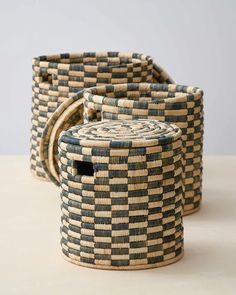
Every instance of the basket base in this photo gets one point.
(133, 267)
(34, 175)
(189, 212)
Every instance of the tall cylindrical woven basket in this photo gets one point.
(177, 104)
(57, 78)
(121, 192)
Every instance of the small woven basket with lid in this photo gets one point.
(121, 193)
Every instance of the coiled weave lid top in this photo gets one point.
(122, 134)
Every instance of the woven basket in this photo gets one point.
(121, 192)
(178, 104)
(174, 103)
(58, 77)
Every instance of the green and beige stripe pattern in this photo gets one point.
(121, 194)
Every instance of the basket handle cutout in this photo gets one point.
(83, 168)
(44, 77)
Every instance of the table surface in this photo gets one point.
(30, 256)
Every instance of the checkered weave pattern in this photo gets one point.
(57, 78)
(127, 214)
(177, 104)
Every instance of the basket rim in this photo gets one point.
(57, 60)
(97, 94)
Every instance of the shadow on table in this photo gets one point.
(217, 204)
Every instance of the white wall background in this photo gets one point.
(195, 41)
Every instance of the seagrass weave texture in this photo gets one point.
(125, 211)
(58, 77)
(55, 78)
(177, 104)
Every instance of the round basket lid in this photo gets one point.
(119, 134)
